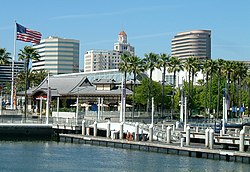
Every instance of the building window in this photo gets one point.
(169, 79)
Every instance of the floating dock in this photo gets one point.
(192, 151)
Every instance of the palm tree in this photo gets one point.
(37, 77)
(242, 73)
(163, 62)
(228, 68)
(196, 67)
(21, 80)
(207, 70)
(219, 66)
(27, 54)
(124, 67)
(190, 64)
(212, 70)
(234, 76)
(4, 56)
(151, 60)
(174, 66)
(135, 67)
(246, 81)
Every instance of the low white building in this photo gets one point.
(169, 77)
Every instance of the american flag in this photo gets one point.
(27, 35)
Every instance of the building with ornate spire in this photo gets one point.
(96, 60)
(122, 44)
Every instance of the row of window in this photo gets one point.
(99, 55)
(180, 48)
(59, 42)
(193, 34)
(189, 44)
(59, 51)
(190, 51)
(190, 40)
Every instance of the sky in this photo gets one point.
(150, 24)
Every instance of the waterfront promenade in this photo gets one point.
(167, 138)
(163, 137)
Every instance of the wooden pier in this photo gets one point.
(197, 150)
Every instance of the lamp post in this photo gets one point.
(152, 122)
(99, 108)
(48, 101)
(41, 104)
(1, 101)
(224, 111)
(162, 98)
(57, 108)
(181, 104)
(26, 87)
(77, 107)
(185, 122)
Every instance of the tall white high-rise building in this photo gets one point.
(58, 55)
(196, 43)
(95, 60)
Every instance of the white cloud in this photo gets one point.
(151, 35)
(90, 15)
(84, 15)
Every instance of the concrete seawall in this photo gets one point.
(198, 152)
(25, 131)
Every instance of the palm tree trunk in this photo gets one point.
(239, 93)
(210, 94)
(228, 90)
(192, 92)
(206, 92)
(149, 91)
(162, 96)
(248, 100)
(233, 97)
(237, 97)
(188, 98)
(26, 87)
(133, 105)
(172, 108)
(124, 93)
(218, 96)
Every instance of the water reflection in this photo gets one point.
(52, 156)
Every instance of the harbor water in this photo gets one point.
(53, 156)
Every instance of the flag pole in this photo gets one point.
(12, 69)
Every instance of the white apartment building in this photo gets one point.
(96, 60)
(58, 55)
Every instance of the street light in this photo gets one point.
(1, 101)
